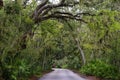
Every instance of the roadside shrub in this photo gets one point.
(100, 69)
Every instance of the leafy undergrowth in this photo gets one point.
(85, 76)
(36, 77)
(100, 69)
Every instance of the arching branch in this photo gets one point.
(48, 10)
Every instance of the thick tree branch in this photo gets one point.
(47, 10)
(43, 3)
(59, 16)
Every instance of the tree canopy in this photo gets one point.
(36, 35)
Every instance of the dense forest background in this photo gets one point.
(83, 35)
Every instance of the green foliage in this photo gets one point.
(53, 41)
(74, 62)
(16, 70)
(12, 8)
(51, 26)
(100, 69)
(15, 64)
(70, 62)
(105, 20)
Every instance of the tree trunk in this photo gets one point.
(81, 51)
(78, 44)
(1, 4)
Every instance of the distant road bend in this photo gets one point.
(62, 74)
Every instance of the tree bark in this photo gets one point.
(81, 51)
(1, 4)
(78, 44)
